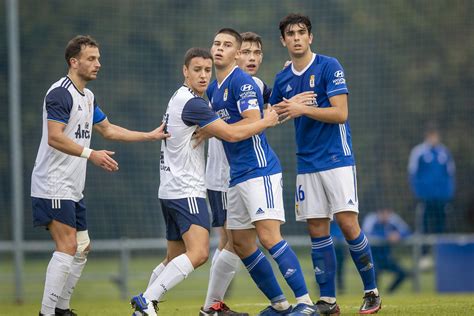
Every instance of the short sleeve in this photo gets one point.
(58, 104)
(197, 112)
(335, 80)
(245, 92)
(99, 116)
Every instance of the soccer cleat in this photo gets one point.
(326, 308)
(64, 312)
(45, 314)
(372, 304)
(302, 309)
(220, 309)
(270, 311)
(142, 307)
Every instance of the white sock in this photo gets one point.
(77, 266)
(56, 276)
(328, 299)
(156, 272)
(304, 299)
(222, 273)
(175, 271)
(281, 306)
(376, 291)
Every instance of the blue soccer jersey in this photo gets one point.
(252, 157)
(320, 146)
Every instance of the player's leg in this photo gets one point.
(59, 217)
(79, 262)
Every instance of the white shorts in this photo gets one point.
(255, 200)
(322, 194)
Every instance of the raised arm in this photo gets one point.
(114, 132)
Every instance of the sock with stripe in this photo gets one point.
(362, 257)
(323, 254)
(291, 270)
(262, 274)
(156, 272)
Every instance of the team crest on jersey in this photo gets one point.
(311, 81)
(226, 92)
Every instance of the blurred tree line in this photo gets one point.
(406, 62)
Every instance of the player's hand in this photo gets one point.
(103, 159)
(199, 136)
(158, 133)
(307, 98)
(270, 116)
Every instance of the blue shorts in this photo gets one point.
(180, 214)
(218, 203)
(65, 211)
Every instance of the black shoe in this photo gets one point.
(220, 309)
(372, 304)
(64, 312)
(326, 308)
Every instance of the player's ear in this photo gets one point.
(185, 71)
(310, 38)
(282, 40)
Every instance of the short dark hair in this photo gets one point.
(251, 37)
(231, 32)
(74, 47)
(292, 19)
(196, 52)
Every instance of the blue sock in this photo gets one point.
(362, 257)
(324, 264)
(289, 267)
(262, 274)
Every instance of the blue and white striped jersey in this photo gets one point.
(252, 157)
(57, 175)
(320, 146)
(182, 166)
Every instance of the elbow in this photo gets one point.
(342, 118)
(53, 141)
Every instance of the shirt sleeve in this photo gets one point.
(99, 116)
(266, 93)
(197, 112)
(335, 80)
(275, 95)
(246, 93)
(58, 105)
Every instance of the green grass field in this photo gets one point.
(97, 293)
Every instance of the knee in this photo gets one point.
(268, 240)
(200, 257)
(318, 227)
(241, 248)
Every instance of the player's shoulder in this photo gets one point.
(324, 59)
(259, 82)
(285, 72)
(238, 75)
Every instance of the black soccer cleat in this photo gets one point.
(220, 309)
(372, 304)
(326, 308)
(64, 312)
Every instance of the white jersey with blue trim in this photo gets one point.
(320, 146)
(182, 166)
(57, 175)
(252, 157)
(217, 167)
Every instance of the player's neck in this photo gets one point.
(222, 73)
(300, 62)
(79, 83)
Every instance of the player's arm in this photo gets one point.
(250, 125)
(117, 133)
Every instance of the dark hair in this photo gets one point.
(251, 37)
(74, 47)
(231, 32)
(292, 19)
(196, 52)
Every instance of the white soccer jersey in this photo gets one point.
(217, 167)
(57, 175)
(182, 165)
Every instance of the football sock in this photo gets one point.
(324, 265)
(290, 269)
(362, 257)
(175, 271)
(78, 264)
(56, 276)
(262, 274)
(156, 272)
(223, 271)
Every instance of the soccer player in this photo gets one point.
(70, 110)
(326, 182)
(225, 263)
(182, 190)
(255, 202)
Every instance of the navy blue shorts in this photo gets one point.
(65, 211)
(218, 203)
(180, 214)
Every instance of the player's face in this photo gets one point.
(224, 50)
(87, 64)
(250, 58)
(297, 39)
(198, 74)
